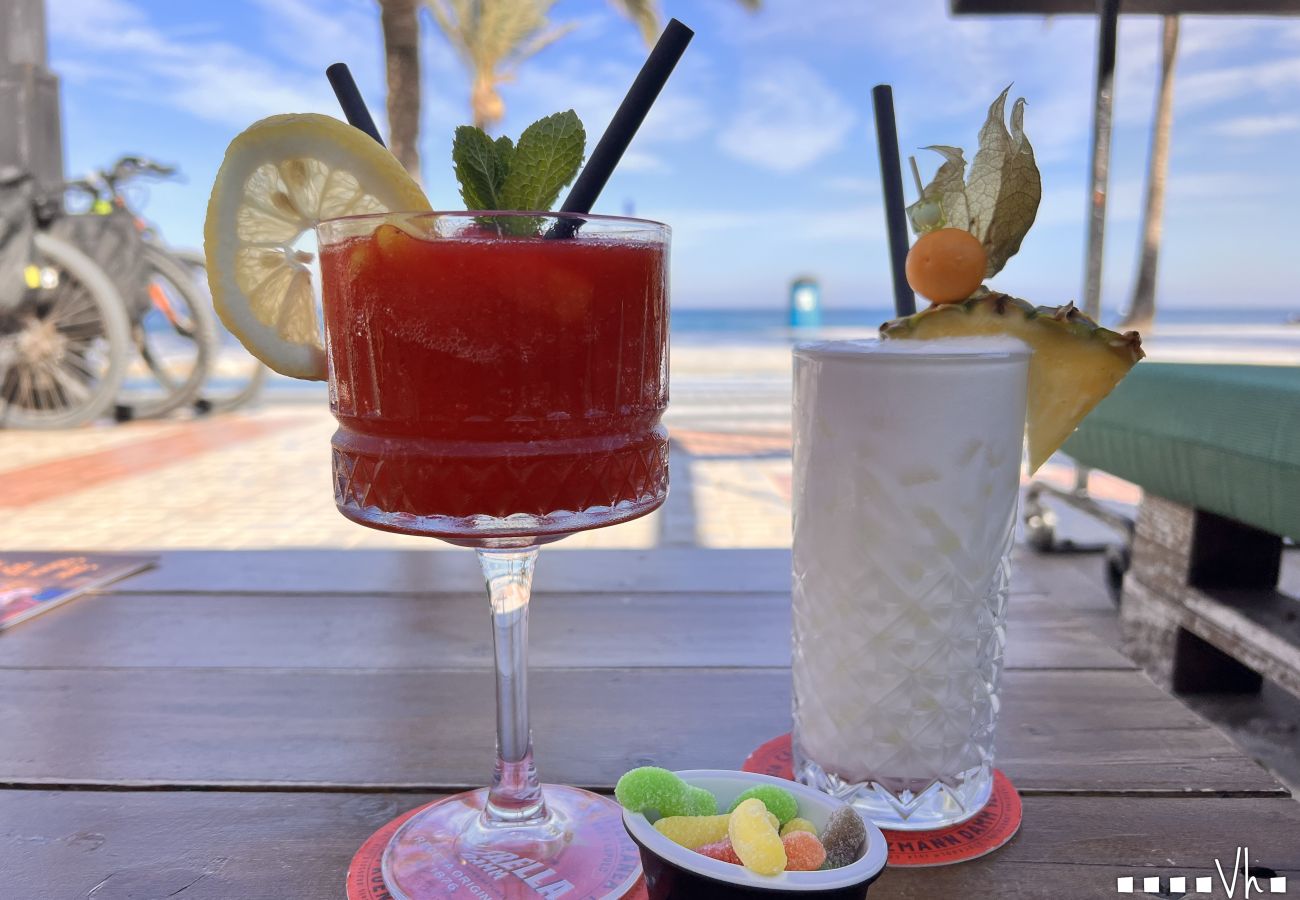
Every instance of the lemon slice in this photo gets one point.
(280, 178)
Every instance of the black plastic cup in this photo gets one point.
(674, 872)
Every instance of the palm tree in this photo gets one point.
(1142, 310)
(399, 20)
(492, 38)
(645, 14)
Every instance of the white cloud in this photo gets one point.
(1257, 126)
(1210, 86)
(1066, 204)
(208, 79)
(594, 89)
(1212, 35)
(788, 118)
(1219, 185)
(848, 224)
(315, 34)
(643, 163)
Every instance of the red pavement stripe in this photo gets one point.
(38, 483)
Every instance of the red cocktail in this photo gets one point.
(499, 389)
(486, 383)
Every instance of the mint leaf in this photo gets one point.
(546, 159)
(505, 150)
(481, 167)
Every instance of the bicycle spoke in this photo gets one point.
(70, 305)
(23, 388)
(42, 388)
(75, 361)
(71, 387)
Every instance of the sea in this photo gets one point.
(771, 325)
(1254, 329)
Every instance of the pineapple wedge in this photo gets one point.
(1075, 361)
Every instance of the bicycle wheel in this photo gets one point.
(236, 376)
(176, 338)
(64, 349)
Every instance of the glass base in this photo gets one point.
(527, 530)
(896, 807)
(579, 851)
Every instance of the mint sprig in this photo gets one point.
(480, 167)
(502, 175)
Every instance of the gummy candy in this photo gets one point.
(650, 787)
(843, 837)
(700, 801)
(803, 852)
(722, 850)
(693, 831)
(798, 824)
(754, 839)
(779, 801)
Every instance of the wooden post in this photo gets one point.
(1200, 611)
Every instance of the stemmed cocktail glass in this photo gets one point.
(500, 390)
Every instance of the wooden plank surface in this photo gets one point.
(364, 672)
(275, 846)
(1095, 731)
(452, 630)
(455, 570)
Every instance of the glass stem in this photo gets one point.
(515, 797)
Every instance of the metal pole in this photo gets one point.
(1107, 22)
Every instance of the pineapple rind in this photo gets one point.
(1075, 362)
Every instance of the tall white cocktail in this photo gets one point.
(906, 472)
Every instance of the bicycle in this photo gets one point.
(64, 331)
(236, 377)
(233, 377)
(173, 327)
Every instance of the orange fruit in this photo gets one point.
(947, 265)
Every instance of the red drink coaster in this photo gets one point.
(982, 833)
(366, 880)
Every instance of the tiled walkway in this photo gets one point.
(262, 479)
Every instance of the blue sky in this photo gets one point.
(760, 153)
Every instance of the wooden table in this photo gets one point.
(232, 726)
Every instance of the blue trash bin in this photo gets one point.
(805, 302)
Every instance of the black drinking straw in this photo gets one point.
(627, 119)
(354, 108)
(891, 178)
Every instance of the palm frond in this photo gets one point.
(493, 38)
(644, 14)
(539, 42)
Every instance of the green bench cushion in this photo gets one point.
(1220, 438)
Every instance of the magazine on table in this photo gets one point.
(31, 583)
